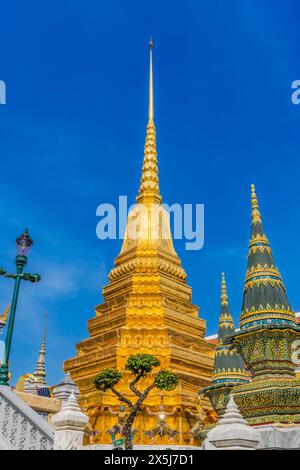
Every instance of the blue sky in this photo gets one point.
(72, 135)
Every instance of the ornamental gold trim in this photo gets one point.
(261, 248)
(259, 238)
(276, 310)
(265, 282)
(264, 270)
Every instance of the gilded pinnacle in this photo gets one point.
(151, 103)
(225, 319)
(256, 217)
(40, 372)
(3, 317)
(224, 296)
(149, 185)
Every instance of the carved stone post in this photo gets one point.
(69, 425)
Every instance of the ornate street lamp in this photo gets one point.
(23, 245)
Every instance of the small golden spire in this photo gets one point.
(224, 296)
(45, 326)
(256, 217)
(4, 315)
(149, 185)
(40, 372)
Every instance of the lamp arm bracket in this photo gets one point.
(31, 277)
(6, 274)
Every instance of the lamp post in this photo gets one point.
(23, 245)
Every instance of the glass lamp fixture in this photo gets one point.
(24, 243)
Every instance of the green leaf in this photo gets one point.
(166, 380)
(141, 364)
(107, 379)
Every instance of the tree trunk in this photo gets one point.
(127, 430)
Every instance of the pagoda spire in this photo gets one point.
(229, 369)
(151, 99)
(264, 297)
(149, 185)
(40, 371)
(266, 337)
(256, 217)
(228, 366)
(226, 324)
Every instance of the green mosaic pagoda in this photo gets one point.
(265, 340)
(229, 369)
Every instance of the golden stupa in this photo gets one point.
(147, 308)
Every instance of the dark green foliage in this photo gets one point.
(166, 380)
(107, 379)
(141, 364)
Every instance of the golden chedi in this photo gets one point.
(147, 308)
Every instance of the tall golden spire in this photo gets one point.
(149, 185)
(146, 308)
(255, 207)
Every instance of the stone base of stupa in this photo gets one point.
(270, 401)
(272, 438)
(279, 438)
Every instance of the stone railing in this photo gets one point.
(21, 428)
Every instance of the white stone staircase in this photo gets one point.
(21, 428)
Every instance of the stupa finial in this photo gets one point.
(256, 217)
(151, 100)
(226, 325)
(149, 186)
(224, 296)
(40, 371)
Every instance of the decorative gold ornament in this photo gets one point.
(255, 207)
(3, 317)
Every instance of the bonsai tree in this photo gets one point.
(140, 365)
